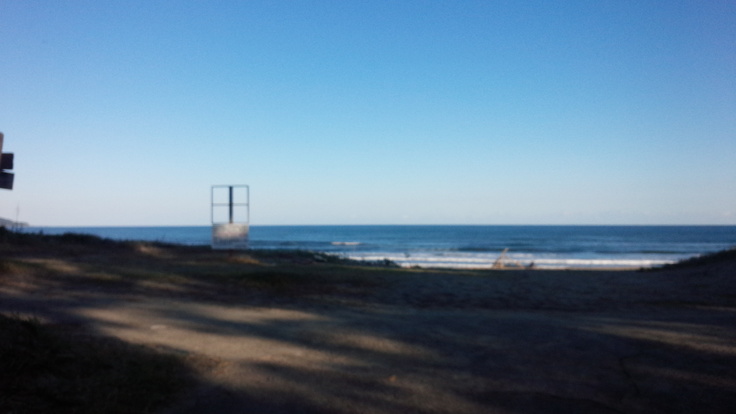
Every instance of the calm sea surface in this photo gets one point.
(463, 246)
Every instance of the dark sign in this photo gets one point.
(6, 163)
(6, 180)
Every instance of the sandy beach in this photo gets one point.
(294, 334)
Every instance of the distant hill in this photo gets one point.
(11, 223)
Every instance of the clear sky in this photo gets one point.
(370, 112)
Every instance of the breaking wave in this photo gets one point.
(522, 260)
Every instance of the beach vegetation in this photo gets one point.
(728, 255)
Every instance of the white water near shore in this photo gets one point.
(487, 261)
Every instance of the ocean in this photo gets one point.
(450, 246)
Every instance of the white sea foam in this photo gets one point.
(487, 261)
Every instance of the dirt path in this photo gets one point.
(436, 345)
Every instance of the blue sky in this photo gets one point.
(370, 112)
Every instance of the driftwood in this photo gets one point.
(503, 262)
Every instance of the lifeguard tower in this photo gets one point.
(230, 211)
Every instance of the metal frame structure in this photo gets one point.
(230, 204)
(231, 234)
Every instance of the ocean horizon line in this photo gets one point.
(374, 225)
